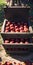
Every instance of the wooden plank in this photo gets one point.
(18, 49)
(19, 35)
(17, 7)
(7, 44)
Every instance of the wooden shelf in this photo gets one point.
(10, 13)
(17, 44)
(18, 49)
(17, 35)
(20, 33)
(17, 7)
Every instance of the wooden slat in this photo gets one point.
(17, 7)
(17, 35)
(20, 33)
(17, 44)
(18, 50)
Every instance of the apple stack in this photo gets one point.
(16, 30)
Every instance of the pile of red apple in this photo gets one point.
(16, 63)
(17, 41)
(16, 27)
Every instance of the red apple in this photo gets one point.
(25, 29)
(16, 29)
(6, 41)
(11, 25)
(11, 28)
(6, 30)
(26, 42)
(12, 41)
(12, 31)
(16, 42)
(8, 23)
(16, 26)
(21, 42)
(21, 28)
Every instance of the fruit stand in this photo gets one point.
(17, 32)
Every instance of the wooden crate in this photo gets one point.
(9, 35)
(22, 13)
(16, 11)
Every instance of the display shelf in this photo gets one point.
(18, 49)
(30, 44)
(17, 7)
(17, 46)
(17, 35)
(17, 13)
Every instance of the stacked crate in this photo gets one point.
(17, 15)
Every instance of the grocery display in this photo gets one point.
(17, 31)
(16, 27)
